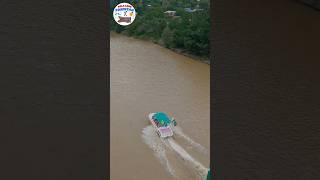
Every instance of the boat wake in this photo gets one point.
(197, 146)
(158, 145)
(151, 138)
(193, 163)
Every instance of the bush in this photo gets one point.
(189, 32)
(167, 37)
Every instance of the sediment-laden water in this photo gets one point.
(147, 78)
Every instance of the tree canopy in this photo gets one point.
(186, 30)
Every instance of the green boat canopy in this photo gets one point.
(161, 116)
(209, 175)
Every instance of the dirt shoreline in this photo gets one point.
(146, 77)
(179, 51)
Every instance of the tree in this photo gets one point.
(189, 31)
(167, 37)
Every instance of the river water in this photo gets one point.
(146, 78)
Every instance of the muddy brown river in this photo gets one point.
(146, 78)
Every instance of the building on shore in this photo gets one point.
(170, 13)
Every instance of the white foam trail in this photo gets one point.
(197, 146)
(154, 142)
(202, 171)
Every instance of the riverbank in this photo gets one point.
(146, 77)
(183, 52)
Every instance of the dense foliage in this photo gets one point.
(187, 31)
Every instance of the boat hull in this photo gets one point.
(163, 132)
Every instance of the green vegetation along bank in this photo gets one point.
(180, 25)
